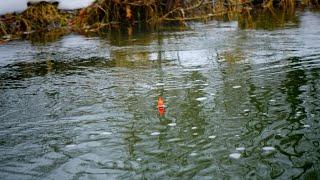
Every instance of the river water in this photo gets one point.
(240, 104)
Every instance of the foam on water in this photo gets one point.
(236, 87)
(201, 98)
(193, 154)
(106, 133)
(235, 155)
(306, 126)
(155, 134)
(174, 140)
(240, 148)
(268, 148)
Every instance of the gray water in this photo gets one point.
(240, 104)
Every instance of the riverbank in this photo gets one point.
(37, 17)
(104, 15)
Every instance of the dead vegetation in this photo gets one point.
(41, 16)
(116, 13)
(108, 14)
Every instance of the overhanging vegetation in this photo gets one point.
(107, 14)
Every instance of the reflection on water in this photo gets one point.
(239, 103)
(43, 37)
(269, 19)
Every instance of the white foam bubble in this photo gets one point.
(235, 155)
(172, 124)
(212, 137)
(70, 146)
(174, 139)
(268, 148)
(160, 84)
(155, 134)
(240, 148)
(236, 87)
(201, 98)
(306, 126)
(193, 154)
(106, 133)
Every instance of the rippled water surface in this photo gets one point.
(239, 103)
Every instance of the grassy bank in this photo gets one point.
(108, 14)
(38, 17)
(117, 13)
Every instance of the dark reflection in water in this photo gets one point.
(239, 103)
(44, 37)
(269, 19)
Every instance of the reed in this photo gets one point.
(3, 29)
(116, 13)
(125, 14)
(43, 16)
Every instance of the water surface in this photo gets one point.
(239, 103)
